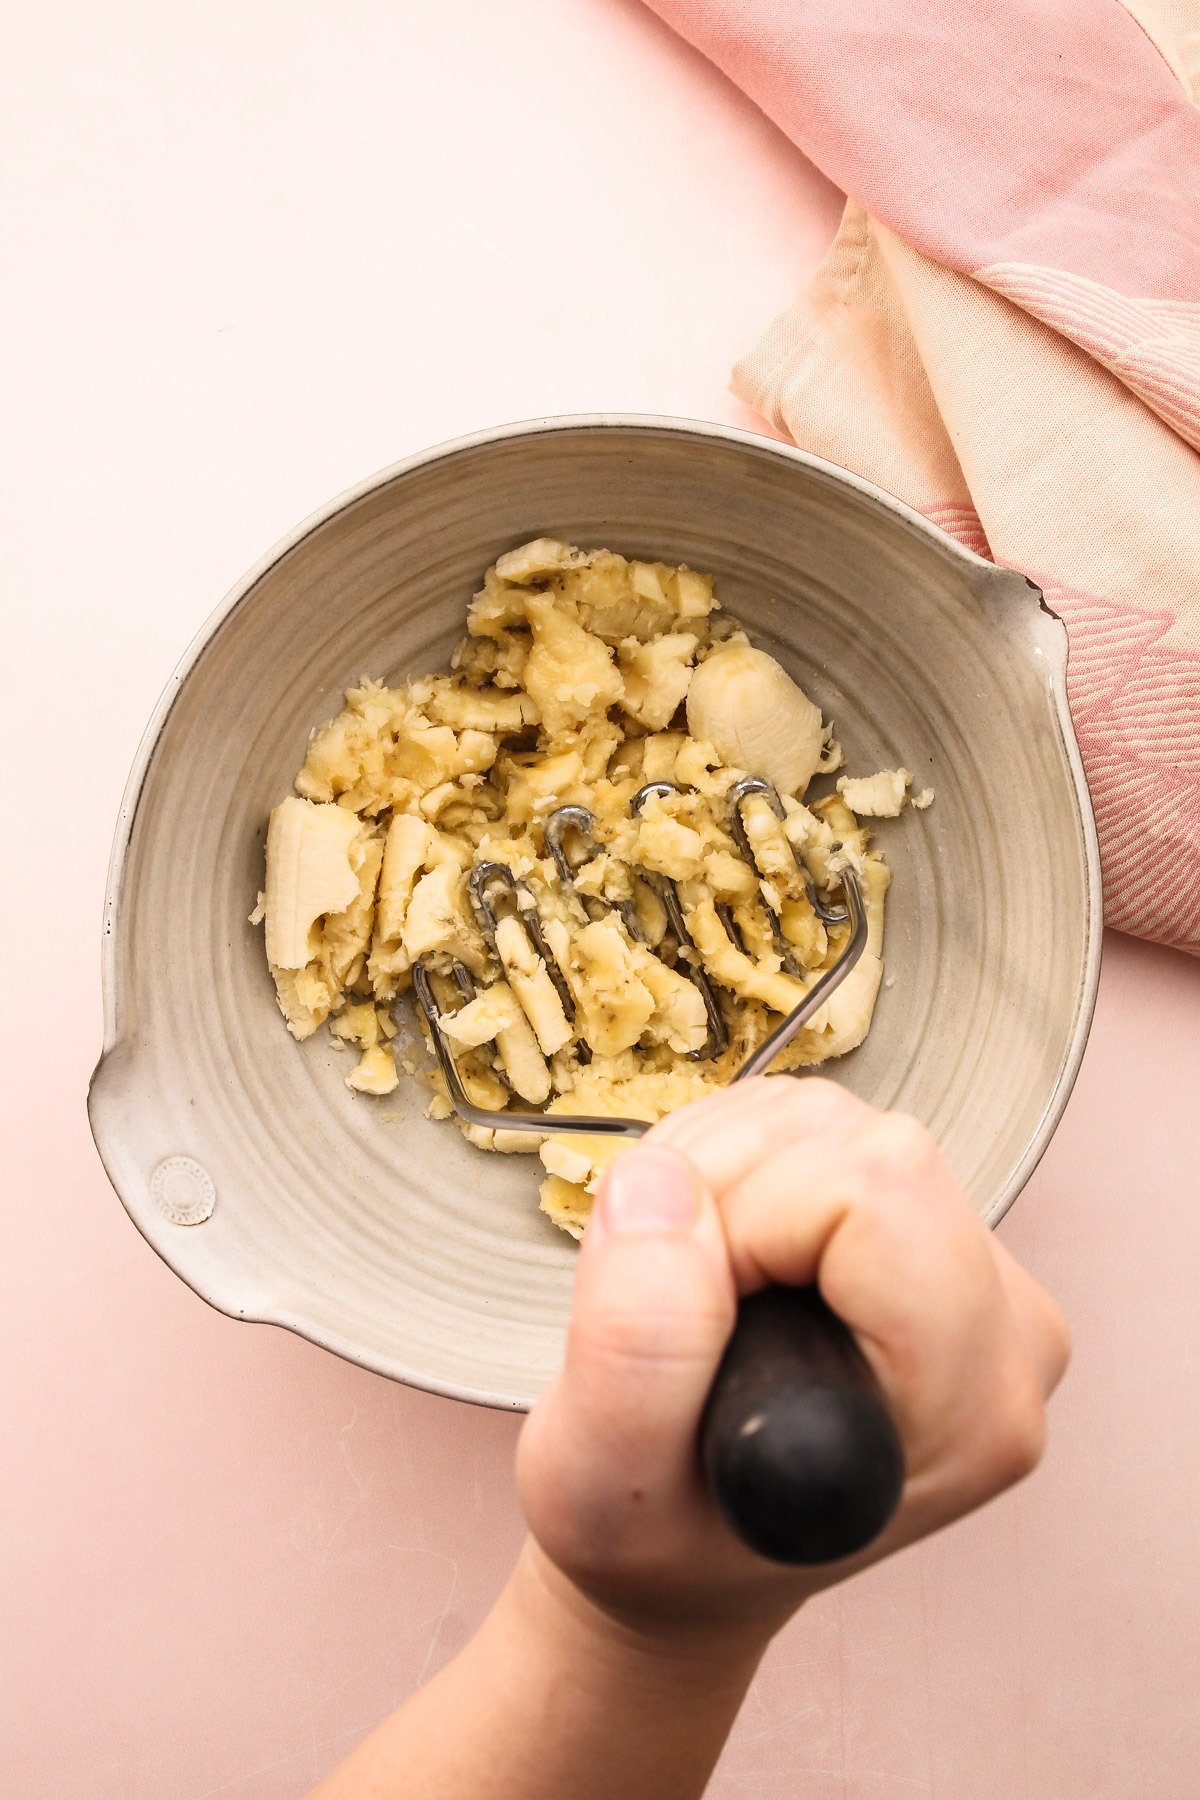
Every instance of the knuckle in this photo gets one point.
(818, 1102)
(1057, 1340)
(1017, 1438)
(897, 1144)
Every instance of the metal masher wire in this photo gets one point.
(509, 1120)
(579, 820)
(753, 787)
(484, 878)
(594, 1125)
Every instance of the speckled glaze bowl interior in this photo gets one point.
(242, 1157)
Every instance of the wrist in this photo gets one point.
(704, 1658)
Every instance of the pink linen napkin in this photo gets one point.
(1006, 334)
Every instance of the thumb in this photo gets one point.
(612, 1444)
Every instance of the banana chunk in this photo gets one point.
(469, 709)
(481, 1019)
(376, 1072)
(305, 999)
(843, 1022)
(410, 847)
(617, 1004)
(567, 1204)
(656, 677)
(569, 673)
(357, 1025)
(438, 920)
(346, 935)
(309, 875)
(496, 1016)
(679, 1019)
(749, 709)
(731, 967)
(524, 1062)
(875, 796)
(532, 984)
(665, 845)
(544, 556)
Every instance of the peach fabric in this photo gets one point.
(1006, 334)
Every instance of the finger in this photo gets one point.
(1043, 1328)
(881, 1181)
(729, 1133)
(654, 1307)
(881, 1225)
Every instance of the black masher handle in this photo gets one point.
(800, 1451)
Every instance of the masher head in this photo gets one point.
(487, 880)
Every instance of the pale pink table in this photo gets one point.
(256, 251)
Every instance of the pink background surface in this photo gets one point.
(254, 253)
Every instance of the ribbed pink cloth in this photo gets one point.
(1006, 334)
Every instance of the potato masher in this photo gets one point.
(799, 1450)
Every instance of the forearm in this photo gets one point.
(553, 1697)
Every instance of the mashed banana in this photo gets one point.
(583, 677)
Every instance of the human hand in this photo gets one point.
(773, 1181)
(615, 1660)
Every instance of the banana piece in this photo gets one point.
(651, 913)
(657, 677)
(565, 1159)
(346, 935)
(569, 673)
(375, 1073)
(566, 1203)
(845, 1019)
(495, 1015)
(305, 999)
(309, 874)
(879, 796)
(437, 919)
(667, 845)
(692, 593)
(534, 790)
(483, 1018)
(729, 877)
(508, 1143)
(698, 766)
(408, 850)
(616, 1002)
(731, 967)
(537, 559)
(772, 853)
(524, 1062)
(412, 846)
(623, 993)
(804, 931)
(532, 985)
(679, 1019)
(467, 709)
(357, 1025)
(660, 752)
(749, 709)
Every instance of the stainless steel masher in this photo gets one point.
(489, 878)
(799, 1450)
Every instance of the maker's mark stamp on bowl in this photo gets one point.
(183, 1191)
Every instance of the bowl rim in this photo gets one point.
(652, 424)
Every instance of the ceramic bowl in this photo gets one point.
(243, 1158)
